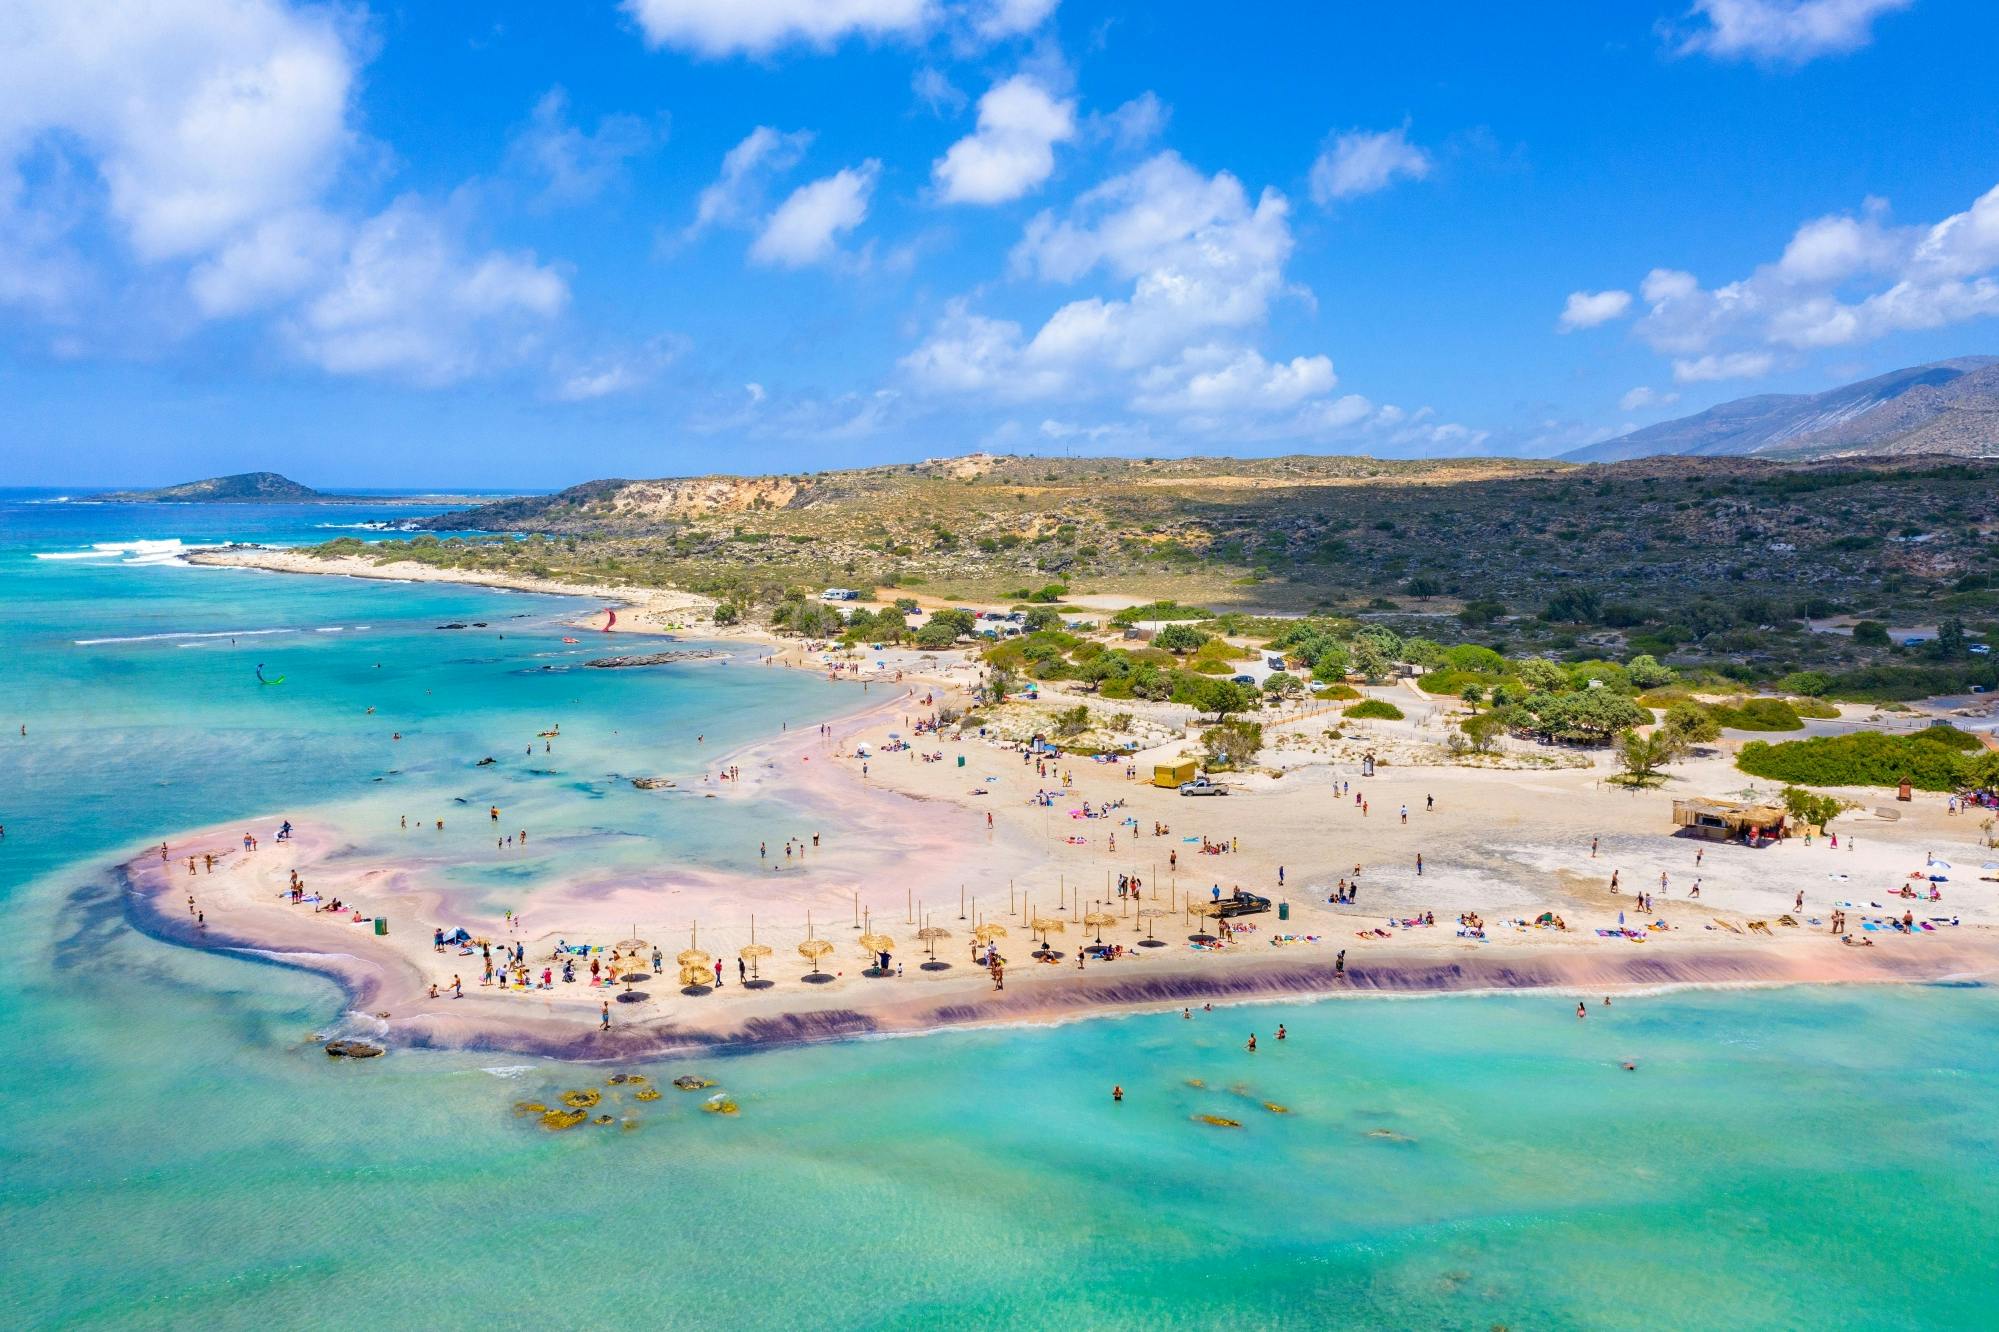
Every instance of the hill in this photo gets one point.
(1745, 564)
(1946, 407)
(243, 486)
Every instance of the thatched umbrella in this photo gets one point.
(875, 944)
(696, 980)
(1206, 910)
(988, 932)
(752, 953)
(692, 956)
(1150, 914)
(1044, 926)
(1099, 919)
(812, 950)
(930, 934)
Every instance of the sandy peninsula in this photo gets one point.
(955, 829)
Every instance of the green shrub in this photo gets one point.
(1375, 709)
(1868, 758)
(1757, 714)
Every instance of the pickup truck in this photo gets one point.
(1201, 786)
(1241, 903)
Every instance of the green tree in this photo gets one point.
(1541, 675)
(936, 633)
(1233, 743)
(1640, 757)
(1808, 807)
(1042, 617)
(727, 613)
(1871, 633)
(1646, 672)
(1690, 724)
(1221, 697)
(1283, 684)
(1950, 637)
(1072, 721)
(1472, 693)
(1179, 638)
(1484, 730)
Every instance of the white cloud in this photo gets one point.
(1841, 280)
(997, 19)
(1364, 161)
(409, 302)
(1788, 31)
(757, 27)
(569, 165)
(618, 372)
(737, 194)
(1645, 397)
(1013, 149)
(1220, 380)
(807, 226)
(1138, 122)
(1732, 365)
(1587, 309)
(935, 90)
(201, 118)
(217, 131)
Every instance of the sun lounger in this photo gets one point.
(1725, 925)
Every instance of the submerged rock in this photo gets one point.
(557, 1120)
(653, 783)
(352, 1049)
(649, 1094)
(655, 658)
(720, 1105)
(582, 1099)
(688, 1082)
(1219, 1122)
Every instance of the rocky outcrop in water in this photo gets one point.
(352, 1049)
(655, 658)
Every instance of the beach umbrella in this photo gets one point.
(696, 978)
(1099, 919)
(1044, 926)
(752, 953)
(1150, 914)
(812, 950)
(1205, 910)
(692, 956)
(930, 934)
(875, 943)
(988, 932)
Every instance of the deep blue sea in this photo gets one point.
(174, 1152)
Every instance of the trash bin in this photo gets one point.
(381, 924)
(961, 760)
(1283, 911)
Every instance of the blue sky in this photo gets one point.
(529, 244)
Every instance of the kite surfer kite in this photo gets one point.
(262, 681)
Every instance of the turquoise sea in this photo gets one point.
(173, 1152)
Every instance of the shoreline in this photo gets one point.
(1502, 843)
(1393, 973)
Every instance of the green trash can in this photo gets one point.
(1283, 913)
(381, 924)
(961, 760)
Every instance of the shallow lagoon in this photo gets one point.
(180, 1154)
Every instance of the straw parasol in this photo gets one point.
(812, 950)
(1099, 919)
(1150, 914)
(988, 932)
(692, 956)
(696, 980)
(1045, 926)
(1206, 910)
(930, 934)
(875, 943)
(752, 953)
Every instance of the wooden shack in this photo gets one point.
(1729, 820)
(1172, 774)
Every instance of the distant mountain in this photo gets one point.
(246, 486)
(1945, 407)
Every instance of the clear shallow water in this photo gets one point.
(173, 1152)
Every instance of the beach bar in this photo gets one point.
(1729, 820)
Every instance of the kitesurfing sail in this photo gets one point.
(262, 681)
(610, 619)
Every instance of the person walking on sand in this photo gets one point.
(605, 1016)
(718, 973)
(1419, 864)
(1592, 848)
(457, 988)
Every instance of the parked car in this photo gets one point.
(1241, 903)
(1201, 786)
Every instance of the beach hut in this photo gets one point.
(1170, 775)
(1729, 820)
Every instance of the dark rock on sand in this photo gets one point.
(656, 658)
(352, 1049)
